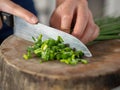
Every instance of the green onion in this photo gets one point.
(51, 49)
(84, 61)
(107, 37)
(109, 29)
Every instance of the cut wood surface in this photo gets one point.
(102, 72)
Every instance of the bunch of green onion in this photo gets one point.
(51, 49)
(109, 28)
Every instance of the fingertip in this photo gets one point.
(34, 19)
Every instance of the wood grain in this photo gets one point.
(102, 72)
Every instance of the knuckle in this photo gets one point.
(66, 21)
(67, 16)
(76, 34)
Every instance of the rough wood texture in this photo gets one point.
(102, 73)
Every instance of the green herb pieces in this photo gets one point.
(51, 49)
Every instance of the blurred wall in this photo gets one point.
(96, 7)
(112, 8)
(44, 9)
(99, 8)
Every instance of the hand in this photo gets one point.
(75, 15)
(12, 8)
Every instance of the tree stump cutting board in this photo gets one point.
(102, 72)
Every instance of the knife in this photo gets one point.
(26, 31)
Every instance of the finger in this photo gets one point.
(91, 31)
(95, 34)
(90, 35)
(95, 28)
(17, 10)
(55, 20)
(81, 22)
(0, 23)
(86, 37)
(67, 16)
(66, 23)
(62, 20)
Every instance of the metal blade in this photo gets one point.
(26, 31)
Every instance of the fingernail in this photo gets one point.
(34, 19)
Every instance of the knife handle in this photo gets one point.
(7, 19)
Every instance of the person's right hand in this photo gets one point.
(12, 8)
(75, 15)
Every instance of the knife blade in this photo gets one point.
(26, 31)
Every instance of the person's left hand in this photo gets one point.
(75, 15)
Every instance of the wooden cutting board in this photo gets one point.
(102, 72)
